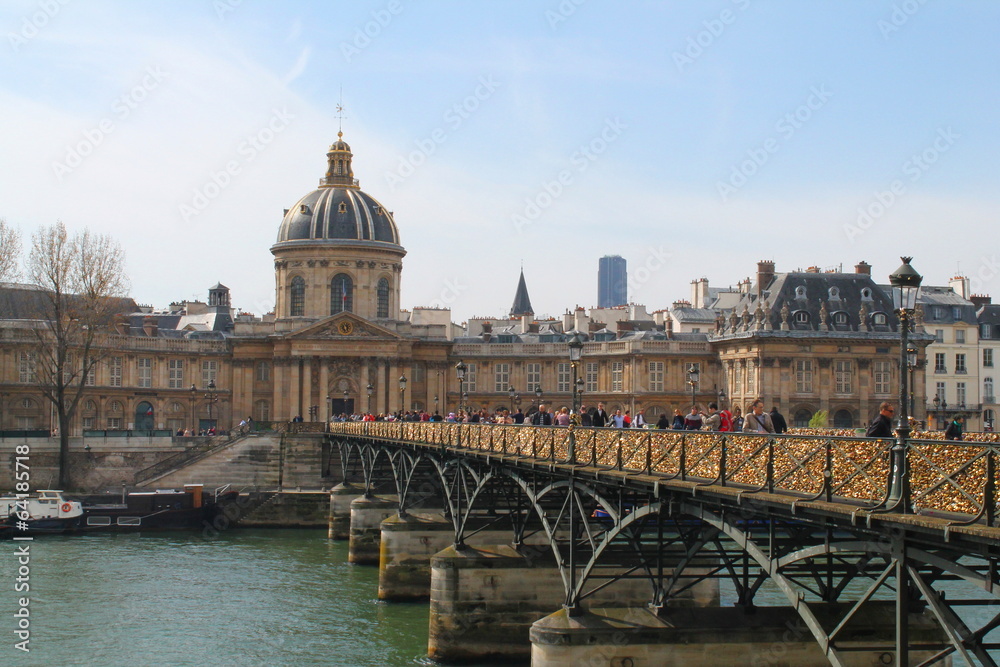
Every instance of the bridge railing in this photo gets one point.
(945, 476)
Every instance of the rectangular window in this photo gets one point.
(804, 376)
(960, 336)
(115, 423)
(882, 372)
(67, 375)
(985, 331)
(88, 423)
(534, 371)
(656, 376)
(209, 369)
(26, 423)
(939, 364)
(751, 378)
(988, 357)
(617, 375)
(263, 372)
(591, 376)
(417, 374)
(988, 390)
(563, 379)
(960, 364)
(145, 366)
(844, 377)
(91, 378)
(956, 313)
(939, 390)
(470, 377)
(939, 335)
(501, 377)
(26, 367)
(960, 393)
(175, 369)
(115, 371)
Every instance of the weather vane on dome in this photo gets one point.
(340, 113)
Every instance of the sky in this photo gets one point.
(692, 138)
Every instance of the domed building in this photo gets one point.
(337, 251)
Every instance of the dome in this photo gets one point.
(338, 212)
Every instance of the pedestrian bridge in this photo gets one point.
(883, 550)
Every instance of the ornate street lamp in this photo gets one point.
(346, 394)
(329, 409)
(575, 354)
(721, 396)
(460, 369)
(538, 393)
(211, 398)
(511, 393)
(436, 404)
(905, 283)
(694, 376)
(402, 392)
(370, 390)
(194, 413)
(911, 364)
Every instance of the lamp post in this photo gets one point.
(538, 393)
(370, 390)
(511, 393)
(194, 412)
(211, 398)
(721, 396)
(460, 369)
(436, 404)
(329, 409)
(905, 283)
(402, 392)
(575, 353)
(346, 394)
(693, 377)
(911, 364)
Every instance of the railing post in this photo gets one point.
(828, 472)
(571, 445)
(618, 453)
(770, 465)
(989, 490)
(534, 443)
(649, 452)
(683, 457)
(722, 463)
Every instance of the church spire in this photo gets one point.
(522, 304)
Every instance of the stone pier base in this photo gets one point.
(341, 496)
(367, 515)
(484, 600)
(707, 637)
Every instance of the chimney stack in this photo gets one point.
(863, 267)
(765, 274)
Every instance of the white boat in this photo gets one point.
(45, 511)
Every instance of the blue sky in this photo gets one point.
(692, 138)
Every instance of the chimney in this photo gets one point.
(122, 326)
(812, 269)
(150, 326)
(981, 300)
(765, 274)
(625, 327)
(960, 285)
(533, 327)
(699, 293)
(863, 267)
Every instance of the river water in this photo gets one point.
(277, 597)
(244, 598)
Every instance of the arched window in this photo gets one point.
(801, 317)
(341, 294)
(801, 418)
(840, 319)
(383, 298)
(879, 319)
(297, 303)
(843, 419)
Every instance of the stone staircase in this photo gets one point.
(250, 460)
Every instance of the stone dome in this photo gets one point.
(338, 212)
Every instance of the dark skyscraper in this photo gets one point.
(612, 282)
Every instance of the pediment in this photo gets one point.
(344, 326)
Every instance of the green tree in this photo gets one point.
(818, 420)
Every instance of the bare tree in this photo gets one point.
(84, 283)
(10, 251)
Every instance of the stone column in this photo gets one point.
(281, 389)
(324, 386)
(306, 399)
(295, 395)
(367, 515)
(341, 497)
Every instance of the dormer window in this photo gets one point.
(342, 208)
(834, 293)
(800, 292)
(801, 316)
(303, 209)
(840, 319)
(879, 319)
(866, 293)
(379, 211)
